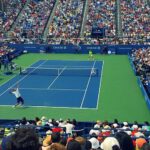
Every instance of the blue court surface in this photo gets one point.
(58, 84)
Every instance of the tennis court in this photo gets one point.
(118, 89)
(53, 83)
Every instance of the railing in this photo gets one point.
(6, 130)
(87, 41)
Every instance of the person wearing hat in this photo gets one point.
(125, 126)
(46, 142)
(110, 143)
(95, 143)
(43, 121)
(140, 142)
(98, 124)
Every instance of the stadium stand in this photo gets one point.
(135, 25)
(98, 135)
(32, 22)
(102, 15)
(66, 22)
(67, 19)
(9, 16)
(5, 49)
(141, 60)
(27, 23)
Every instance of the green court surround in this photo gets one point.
(120, 95)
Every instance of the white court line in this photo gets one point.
(85, 108)
(16, 75)
(87, 86)
(100, 85)
(89, 68)
(22, 78)
(45, 89)
(69, 67)
(56, 78)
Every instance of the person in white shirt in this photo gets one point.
(20, 100)
(69, 127)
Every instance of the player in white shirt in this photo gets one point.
(20, 100)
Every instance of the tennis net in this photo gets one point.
(59, 71)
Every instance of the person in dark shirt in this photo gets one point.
(105, 50)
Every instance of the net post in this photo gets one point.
(20, 70)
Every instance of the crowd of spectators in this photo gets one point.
(8, 17)
(135, 18)
(101, 14)
(4, 50)
(33, 20)
(67, 19)
(141, 60)
(51, 134)
(98, 41)
(6, 56)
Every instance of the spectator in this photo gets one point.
(23, 139)
(57, 146)
(69, 127)
(125, 141)
(73, 145)
(146, 126)
(47, 140)
(140, 142)
(145, 146)
(55, 137)
(110, 143)
(98, 124)
(56, 128)
(95, 143)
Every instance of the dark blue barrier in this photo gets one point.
(132, 65)
(16, 53)
(146, 97)
(125, 49)
(84, 49)
(144, 93)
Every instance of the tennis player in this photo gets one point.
(91, 57)
(16, 92)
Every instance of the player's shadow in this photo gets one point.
(24, 107)
(21, 107)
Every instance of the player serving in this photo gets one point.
(16, 92)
